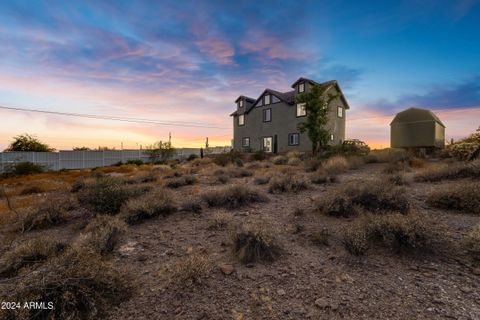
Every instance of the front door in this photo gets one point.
(267, 144)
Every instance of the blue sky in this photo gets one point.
(189, 60)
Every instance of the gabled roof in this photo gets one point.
(301, 79)
(416, 115)
(248, 99)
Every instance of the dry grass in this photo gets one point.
(458, 196)
(192, 205)
(31, 190)
(355, 162)
(454, 171)
(254, 242)
(260, 180)
(320, 237)
(472, 243)
(385, 155)
(321, 176)
(232, 197)
(312, 164)
(220, 220)
(294, 161)
(335, 165)
(191, 270)
(235, 172)
(186, 180)
(397, 179)
(156, 203)
(102, 234)
(279, 160)
(222, 179)
(287, 182)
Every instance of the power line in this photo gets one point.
(113, 118)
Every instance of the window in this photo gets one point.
(331, 137)
(267, 115)
(266, 99)
(246, 142)
(240, 103)
(267, 144)
(241, 120)
(340, 112)
(301, 110)
(293, 139)
(301, 87)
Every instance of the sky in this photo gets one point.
(184, 63)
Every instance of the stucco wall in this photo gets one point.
(414, 134)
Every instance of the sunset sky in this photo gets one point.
(183, 63)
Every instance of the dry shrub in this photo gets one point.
(222, 179)
(417, 163)
(293, 154)
(79, 283)
(312, 164)
(78, 185)
(254, 242)
(287, 182)
(191, 270)
(279, 160)
(355, 162)
(472, 243)
(186, 180)
(53, 211)
(321, 176)
(232, 197)
(239, 173)
(396, 231)
(161, 168)
(156, 203)
(373, 196)
(335, 165)
(144, 177)
(385, 155)
(220, 220)
(261, 180)
(31, 190)
(459, 196)
(397, 179)
(192, 205)
(254, 165)
(294, 162)
(450, 172)
(320, 237)
(27, 253)
(102, 234)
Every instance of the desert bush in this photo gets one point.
(191, 270)
(395, 166)
(156, 203)
(279, 160)
(107, 195)
(220, 220)
(259, 155)
(136, 162)
(298, 212)
(335, 165)
(31, 190)
(312, 164)
(78, 283)
(78, 185)
(386, 155)
(254, 242)
(397, 179)
(355, 239)
(321, 176)
(145, 177)
(239, 173)
(294, 162)
(254, 165)
(225, 158)
(186, 180)
(23, 168)
(459, 196)
(222, 179)
(51, 212)
(261, 180)
(458, 170)
(27, 253)
(192, 205)
(320, 237)
(472, 243)
(161, 168)
(355, 162)
(232, 197)
(288, 182)
(416, 163)
(192, 157)
(102, 234)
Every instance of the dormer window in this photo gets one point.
(266, 99)
(240, 104)
(301, 87)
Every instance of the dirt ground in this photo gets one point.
(308, 281)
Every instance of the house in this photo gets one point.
(270, 122)
(417, 128)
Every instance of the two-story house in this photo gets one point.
(270, 122)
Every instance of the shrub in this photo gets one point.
(191, 270)
(27, 253)
(51, 212)
(192, 205)
(355, 239)
(143, 178)
(355, 162)
(386, 155)
(472, 243)
(395, 166)
(279, 160)
(294, 162)
(78, 283)
(232, 197)
(287, 183)
(223, 179)
(450, 172)
(335, 165)
(321, 176)
(417, 163)
(225, 158)
(259, 155)
(102, 234)
(31, 190)
(254, 242)
(192, 157)
(219, 220)
(239, 173)
(155, 203)
(78, 185)
(107, 195)
(459, 196)
(261, 180)
(320, 237)
(312, 164)
(23, 168)
(137, 162)
(186, 180)
(397, 179)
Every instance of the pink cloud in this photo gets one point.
(218, 49)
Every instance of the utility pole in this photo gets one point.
(169, 138)
(206, 143)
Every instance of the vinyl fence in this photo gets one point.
(92, 159)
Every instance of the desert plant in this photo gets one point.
(454, 171)
(312, 164)
(192, 205)
(223, 179)
(355, 162)
(259, 155)
(335, 165)
(191, 270)
(23, 168)
(288, 182)
(26, 142)
(102, 234)
(152, 204)
(31, 190)
(78, 185)
(254, 242)
(355, 239)
(279, 160)
(239, 173)
(294, 161)
(321, 176)
(186, 180)
(320, 237)
(160, 151)
(261, 180)
(51, 212)
(397, 179)
(232, 197)
(219, 220)
(136, 162)
(145, 177)
(459, 196)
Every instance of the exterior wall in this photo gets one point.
(284, 121)
(413, 134)
(439, 135)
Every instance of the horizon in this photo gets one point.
(155, 61)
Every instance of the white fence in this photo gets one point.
(92, 159)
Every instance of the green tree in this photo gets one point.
(160, 151)
(26, 142)
(81, 149)
(317, 101)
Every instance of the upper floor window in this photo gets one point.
(246, 142)
(293, 139)
(241, 120)
(240, 103)
(267, 115)
(340, 112)
(301, 110)
(331, 137)
(301, 87)
(266, 99)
